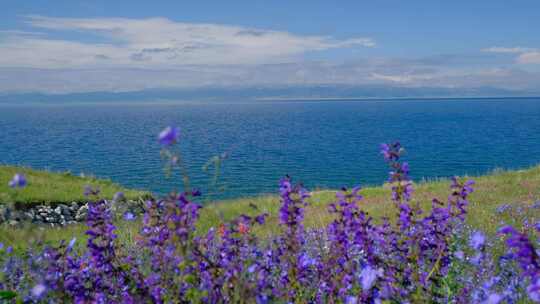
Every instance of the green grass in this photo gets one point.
(48, 187)
(519, 188)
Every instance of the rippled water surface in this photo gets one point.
(325, 144)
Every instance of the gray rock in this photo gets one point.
(4, 214)
(65, 210)
(13, 223)
(30, 216)
(17, 215)
(82, 213)
(58, 210)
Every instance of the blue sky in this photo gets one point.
(77, 46)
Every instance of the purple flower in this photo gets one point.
(128, 216)
(507, 230)
(18, 181)
(503, 208)
(368, 275)
(72, 243)
(118, 197)
(533, 290)
(38, 290)
(493, 298)
(89, 191)
(477, 240)
(169, 136)
(355, 259)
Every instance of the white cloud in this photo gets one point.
(118, 54)
(402, 78)
(156, 42)
(524, 55)
(529, 58)
(513, 50)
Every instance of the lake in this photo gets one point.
(324, 144)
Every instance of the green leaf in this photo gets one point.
(7, 294)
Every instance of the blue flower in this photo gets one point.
(493, 298)
(128, 216)
(477, 240)
(38, 290)
(18, 181)
(118, 196)
(368, 276)
(459, 255)
(533, 290)
(503, 208)
(169, 136)
(72, 243)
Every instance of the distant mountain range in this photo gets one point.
(228, 94)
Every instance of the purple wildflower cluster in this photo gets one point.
(420, 256)
(18, 181)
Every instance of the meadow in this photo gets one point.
(517, 189)
(459, 240)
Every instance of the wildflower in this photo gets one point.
(221, 230)
(128, 216)
(38, 290)
(72, 243)
(18, 181)
(533, 290)
(243, 228)
(89, 191)
(118, 197)
(351, 300)
(459, 255)
(368, 275)
(477, 240)
(169, 136)
(391, 152)
(527, 258)
(503, 208)
(493, 298)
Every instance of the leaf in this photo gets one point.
(7, 294)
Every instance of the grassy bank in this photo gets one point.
(48, 187)
(520, 189)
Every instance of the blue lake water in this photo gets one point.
(324, 144)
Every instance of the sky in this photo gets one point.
(86, 46)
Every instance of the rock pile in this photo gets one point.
(61, 214)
